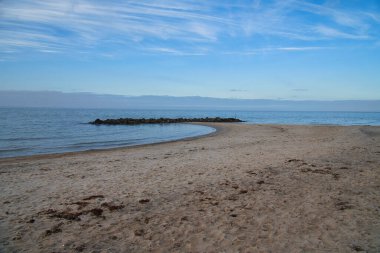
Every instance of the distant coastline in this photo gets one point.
(77, 100)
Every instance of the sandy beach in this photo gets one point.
(246, 188)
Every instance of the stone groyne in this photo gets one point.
(132, 121)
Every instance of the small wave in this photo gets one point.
(13, 150)
(106, 143)
(102, 146)
(26, 139)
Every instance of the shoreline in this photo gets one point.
(243, 188)
(213, 125)
(90, 151)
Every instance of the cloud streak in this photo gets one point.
(175, 27)
(275, 49)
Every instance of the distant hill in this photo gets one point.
(89, 100)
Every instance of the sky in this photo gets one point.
(251, 49)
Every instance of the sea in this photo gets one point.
(33, 131)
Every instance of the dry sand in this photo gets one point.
(248, 188)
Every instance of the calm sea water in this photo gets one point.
(29, 131)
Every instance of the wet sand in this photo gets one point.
(247, 188)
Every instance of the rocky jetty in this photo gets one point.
(131, 121)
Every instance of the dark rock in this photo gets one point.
(94, 197)
(357, 247)
(132, 121)
(55, 229)
(112, 207)
(293, 160)
(67, 215)
(80, 248)
(233, 197)
(143, 201)
(343, 205)
(139, 232)
(96, 211)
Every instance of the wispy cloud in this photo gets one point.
(180, 27)
(275, 49)
(328, 32)
(73, 22)
(300, 48)
(174, 51)
(331, 21)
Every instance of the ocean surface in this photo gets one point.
(30, 131)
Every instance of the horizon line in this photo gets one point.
(187, 96)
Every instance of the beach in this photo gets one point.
(244, 188)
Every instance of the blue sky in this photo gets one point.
(281, 49)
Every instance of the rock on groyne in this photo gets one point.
(131, 121)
